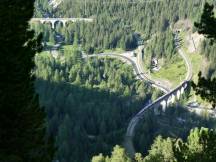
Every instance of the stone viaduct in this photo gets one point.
(53, 21)
(158, 106)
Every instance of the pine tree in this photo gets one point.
(207, 23)
(206, 88)
(22, 120)
(118, 155)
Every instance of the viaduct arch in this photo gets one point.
(64, 21)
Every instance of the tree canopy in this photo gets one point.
(22, 120)
(207, 24)
(89, 101)
(200, 147)
(206, 88)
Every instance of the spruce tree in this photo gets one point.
(206, 88)
(22, 120)
(207, 23)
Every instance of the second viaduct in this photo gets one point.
(53, 21)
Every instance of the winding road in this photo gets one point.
(184, 56)
(134, 121)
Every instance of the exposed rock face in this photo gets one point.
(193, 41)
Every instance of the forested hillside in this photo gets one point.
(88, 102)
(199, 147)
(119, 23)
(81, 78)
(160, 46)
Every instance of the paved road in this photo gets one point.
(184, 56)
(188, 64)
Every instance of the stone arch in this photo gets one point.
(64, 22)
(69, 22)
(171, 100)
(47, 22)
(58, 22)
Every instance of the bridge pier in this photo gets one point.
(182, 90)
(171, 100)
(42, 21)
(164, 105)
(53, 24)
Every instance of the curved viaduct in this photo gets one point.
(158, 106)
(64, 21)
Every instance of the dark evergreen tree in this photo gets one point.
(22, 121)
(199, 147)
(206, 88)
(207, 24)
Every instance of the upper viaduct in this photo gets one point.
(53, 21)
